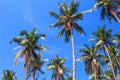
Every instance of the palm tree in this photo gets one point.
(104, 75)
(103, 38)
(36, 64)
(115, 55)
(67, 20)
(91, 59)
(29, 43)
(109, 9)
(107, 75)
(9, 75)
(58, 68)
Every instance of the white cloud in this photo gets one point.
(28, 15)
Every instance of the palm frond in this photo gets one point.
(34, 32)
(42, 36)
(67, 36)
(24, 42)
(50, 67)
(61, 33)
(99, 43)
(62, 60)
(55, 15)
(41, 71)
(41, 47)
(83, 57)
(57, 24)
(78, 16)
(17, 39)
(24, 32)
(73, 8)
(63, 8)
(93, 8)
(78, 28)
(102, 14)
(18, 55)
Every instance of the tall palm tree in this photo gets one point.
(104, 75)
(29, 43)
(58, 67)
(67, 21)
(109, 9)
(103, 38)
(9, 75)
(91, 59)
(115, 55)
(36, 65)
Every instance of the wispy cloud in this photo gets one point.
(28, 15)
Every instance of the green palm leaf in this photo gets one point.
(18, 55)
(57, 16)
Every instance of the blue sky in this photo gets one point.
(16, 15)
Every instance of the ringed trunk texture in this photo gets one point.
(73, 56)
(108, 53)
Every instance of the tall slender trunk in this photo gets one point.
(108, 53)
(26, 63)
(57, 78)
(33, 75)
(73, 56)
(94, 68)
(114, 13)
(117, 18)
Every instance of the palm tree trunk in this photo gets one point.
(94, 68)
(33, 75)
(26, 63)
(108, 53)
(117, 18)
(26, 72)
(73, 56)
(114, 13)
(57, 77)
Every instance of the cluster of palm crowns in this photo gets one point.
(101, 59)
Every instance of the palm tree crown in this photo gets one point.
(67, 19)
(9, 75)
(36, 65)
(29, 43)
(58, 67)
(109, 9)
(102, 36)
